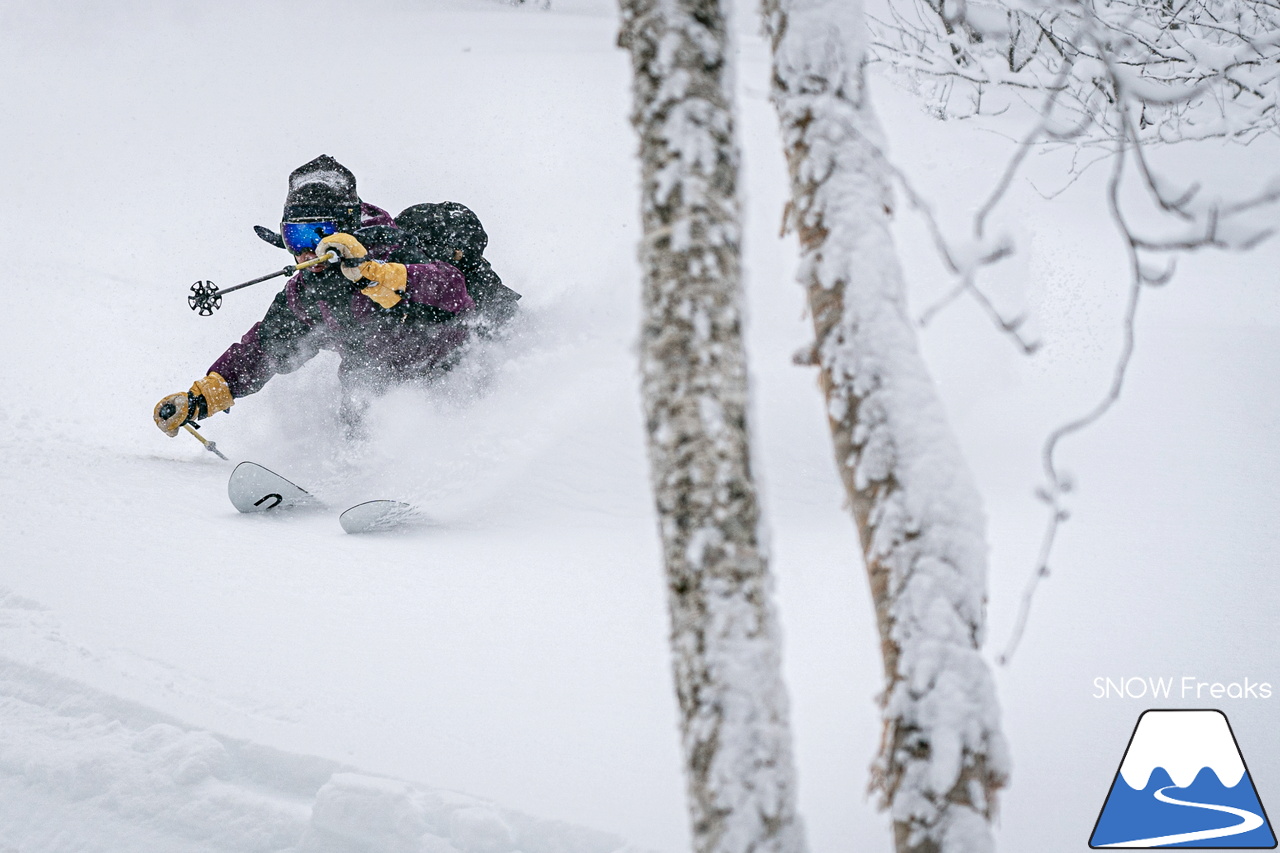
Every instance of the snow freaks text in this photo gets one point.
(1184, 687)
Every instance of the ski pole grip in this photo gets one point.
(325, 258)
(167, 411)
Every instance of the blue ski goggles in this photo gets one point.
(300, 237)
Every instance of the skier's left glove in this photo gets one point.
(389, 281)
(207, 396)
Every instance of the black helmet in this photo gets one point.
(323, 189)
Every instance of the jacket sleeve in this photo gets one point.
(438, 285)
(281, 343)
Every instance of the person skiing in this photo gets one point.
(391, 308)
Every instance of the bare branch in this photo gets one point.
(1115, 76)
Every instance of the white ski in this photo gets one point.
(372, 516)
(253, 488)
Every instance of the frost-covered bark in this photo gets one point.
(724, 637)
(942, 757)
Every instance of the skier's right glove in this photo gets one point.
(347, 247)
(207, 396)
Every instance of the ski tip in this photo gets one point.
(253, 488)
(374, 516)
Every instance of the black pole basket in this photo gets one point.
(205, 298)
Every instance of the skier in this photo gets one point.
(391, 309)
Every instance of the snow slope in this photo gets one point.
(94, 772)
(172, 673)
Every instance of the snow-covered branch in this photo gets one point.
(1198, 68)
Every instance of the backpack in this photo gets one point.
(452, 233)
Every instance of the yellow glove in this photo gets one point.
(390, 278)
(389, 281)
(347, 247)
(207, 396)
(172, 412)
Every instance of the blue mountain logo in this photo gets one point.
(1183, 783)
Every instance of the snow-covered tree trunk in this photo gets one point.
(917, 511)
(724, 636)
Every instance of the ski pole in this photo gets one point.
(211, 446)
(206, 297)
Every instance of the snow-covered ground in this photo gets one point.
(176, 676)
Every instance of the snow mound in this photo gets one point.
(82, 770)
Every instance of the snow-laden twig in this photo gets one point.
(1057, 484)
(964, 262)
(1199, 68)
(1204, 228)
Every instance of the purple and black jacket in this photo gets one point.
(417, 337)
